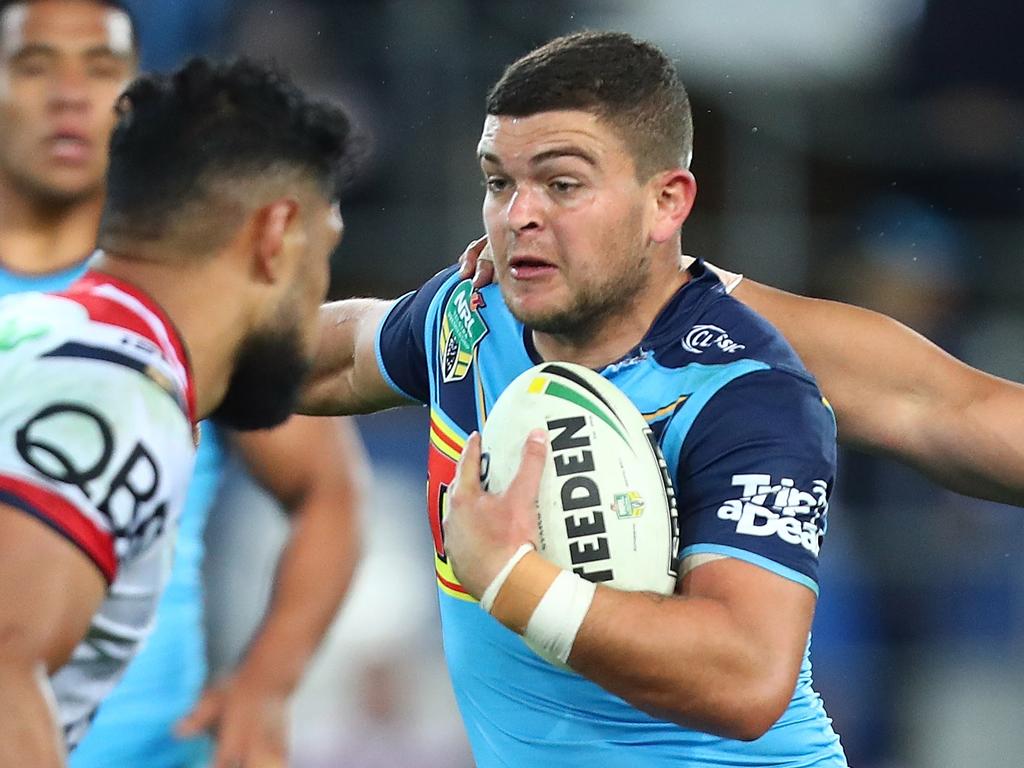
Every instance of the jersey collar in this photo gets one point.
(117, 302)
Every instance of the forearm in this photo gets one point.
(693, 662)
(29, 735)
(973, 444)
(313, 576)
(345, 379)
(330, 386)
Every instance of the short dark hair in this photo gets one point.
(117, 5)
(179, 134)
(629, 83)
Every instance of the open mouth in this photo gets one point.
(527, 267)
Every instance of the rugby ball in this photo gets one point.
(606, 508)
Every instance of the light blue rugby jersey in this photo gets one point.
(750, 443)
(133, 725)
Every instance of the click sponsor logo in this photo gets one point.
(767, 508)
(702, 337)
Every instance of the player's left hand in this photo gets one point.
(477, 262)
(248, 721)
(483, 530)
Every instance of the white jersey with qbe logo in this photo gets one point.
(96, 442)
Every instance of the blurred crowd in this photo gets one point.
(870, 151)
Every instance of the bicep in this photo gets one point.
(897, 393)
(51, 589)
(883, 379)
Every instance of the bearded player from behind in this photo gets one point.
(220, 217)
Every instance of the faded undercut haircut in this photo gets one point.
(183, 139)
(628, 83)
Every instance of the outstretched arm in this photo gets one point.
(894, 391)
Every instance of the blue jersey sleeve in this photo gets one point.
(755, 473)
(401, 340)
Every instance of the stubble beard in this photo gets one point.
(595, 306)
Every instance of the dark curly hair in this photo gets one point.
(212, 122)
(628, 83)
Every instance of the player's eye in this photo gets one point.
(496, 184)
(107, 69)
(564, 186)
(31, 66)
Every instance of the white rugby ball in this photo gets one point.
(606, 508)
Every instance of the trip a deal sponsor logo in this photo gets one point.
(765, 507)
(702, 337)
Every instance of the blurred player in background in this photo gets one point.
(584, 154)
(62, 65)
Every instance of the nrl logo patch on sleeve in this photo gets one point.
(462, 329)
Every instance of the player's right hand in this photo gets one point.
(248, 719)
(477, 262)
(483, 530)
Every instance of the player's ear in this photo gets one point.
(673, 193)
(273, 224)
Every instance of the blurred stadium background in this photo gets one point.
(864, 150)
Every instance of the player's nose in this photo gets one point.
(525, 209)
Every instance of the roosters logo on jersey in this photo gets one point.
(767, 508)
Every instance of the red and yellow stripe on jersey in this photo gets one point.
(446, 444)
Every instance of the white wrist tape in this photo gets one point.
(559, 614)
(489, 595)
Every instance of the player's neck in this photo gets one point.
(195, 298)
(618, 333)
(40, 237)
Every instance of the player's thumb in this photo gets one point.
(468, 258)
(525, 485)
(467, 471)
(202, 717)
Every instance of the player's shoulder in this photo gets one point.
(442, 283)
(50, 346)
(34, 324)
(707, 327)
(420, 304)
